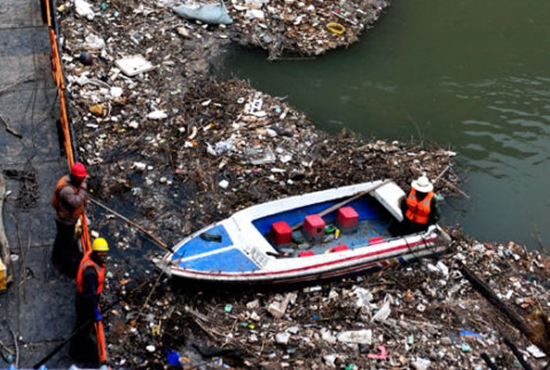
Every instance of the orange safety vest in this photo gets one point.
(61, 209)
(84, 264)
(418, 211)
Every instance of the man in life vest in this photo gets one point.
(89, 285)
(419, 208)
(69, 201)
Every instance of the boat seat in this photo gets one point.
(306, 254)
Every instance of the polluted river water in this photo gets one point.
(472, 78)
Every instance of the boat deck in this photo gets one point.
(374, 221)
(216, 250)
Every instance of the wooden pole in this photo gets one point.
(450, 184)
(518, 354)
(441, 174)
(538, 334)
(142, 229)
(488, 361)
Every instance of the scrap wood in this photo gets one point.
(4, 245)
(538, 334)
(5, 348)
(451, 185)
(198, 315)
(488, 361)
(517, 353)
(210, 331)
(148, 297)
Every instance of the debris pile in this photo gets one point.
(424, 316)
(186, 149)
(304, 27)
(177, 150)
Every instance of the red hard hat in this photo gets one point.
(79, 170)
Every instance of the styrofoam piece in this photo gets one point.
(134, 65)
(390, 195)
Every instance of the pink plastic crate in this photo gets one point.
(314, 226)
(347, 218)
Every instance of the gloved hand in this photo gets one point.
(97, 314)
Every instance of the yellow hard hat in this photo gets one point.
(100, 245)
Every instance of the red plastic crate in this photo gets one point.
(280, 233)
(314, 226)
(347, 218)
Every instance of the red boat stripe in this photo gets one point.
(282, 272)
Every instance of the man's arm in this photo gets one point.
(71, 198)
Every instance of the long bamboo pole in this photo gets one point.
(132, 223)
(538, 335)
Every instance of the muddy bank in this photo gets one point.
(179, 150)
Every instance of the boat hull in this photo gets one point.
(239, 250)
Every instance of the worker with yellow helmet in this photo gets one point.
(89, 285)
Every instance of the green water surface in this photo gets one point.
(471, 76)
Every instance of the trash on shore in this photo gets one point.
(180, 150)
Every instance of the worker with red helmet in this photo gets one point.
(69, 201)
(89, 285)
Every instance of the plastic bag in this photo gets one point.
(207, 13)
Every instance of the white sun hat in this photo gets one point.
(422, 184)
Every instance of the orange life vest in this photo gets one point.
(62, 209)
(418, 211)
(84, 264)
